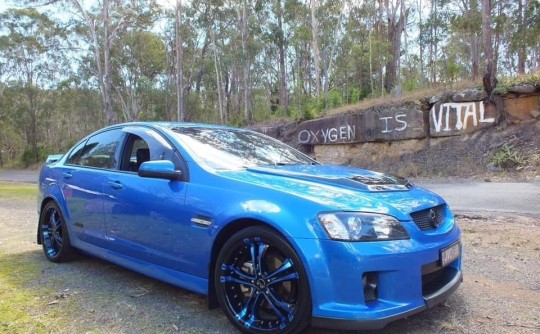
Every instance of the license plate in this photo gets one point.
(450, 254)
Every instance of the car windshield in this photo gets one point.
(223, 148)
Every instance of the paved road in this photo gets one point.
(508, 197)
(15, 175)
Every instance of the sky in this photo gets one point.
(5, 4)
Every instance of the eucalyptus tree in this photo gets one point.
(101, 24)
(32, 52)
(316, 48)
(524, 35)
(298, 60)
(434, 33)
(363, 51)
(326, 34)
(281, 42)
(466, 25)
(140, 61)
(489, 78)
(179, 48)
(397, 13)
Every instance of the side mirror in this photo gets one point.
(160, 169)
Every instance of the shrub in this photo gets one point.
(507, 157)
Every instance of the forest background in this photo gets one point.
(68, 67)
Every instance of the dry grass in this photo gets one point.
(407, 97)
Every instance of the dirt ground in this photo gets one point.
(500, 292)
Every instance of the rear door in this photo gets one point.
(83, 178)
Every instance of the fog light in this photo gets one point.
(369, 281)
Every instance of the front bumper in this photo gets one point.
(409, 275)
(372, 323)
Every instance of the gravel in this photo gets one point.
(500, 293)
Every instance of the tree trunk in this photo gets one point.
(180, 114)
(315, 45)
(107, 85)
(246, 71)
(489, 80)
(521, 49)
(419, 6)
(283, 91)
(222, 116)
(432, 44)
(326, 74)
(102, 69)
(396, 26)
(370, 64)
(475, 56)
(32, 101)
(200, 71)
(170, 82)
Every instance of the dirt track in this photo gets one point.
(500, 294)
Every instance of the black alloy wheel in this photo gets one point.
(261, 283)
(53, 234)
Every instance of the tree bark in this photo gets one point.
(475, 56)
(283, 91)
(419, 5)
(200, 71)
(246, 71)
(316, 49)
(180, 113)
(222, 115)
(521, 49)
(326, 74)
(396, 26)
(103, 68)
(111, 119)
(489, 80)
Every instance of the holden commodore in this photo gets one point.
(275, 238)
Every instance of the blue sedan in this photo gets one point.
(276, 239)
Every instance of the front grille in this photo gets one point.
(429, 219)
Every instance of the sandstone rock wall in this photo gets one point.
(389, 131)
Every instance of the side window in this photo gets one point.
(100, 150)
(144, 144)
(137, 152)
(75, 155)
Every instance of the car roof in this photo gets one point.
(171, 125)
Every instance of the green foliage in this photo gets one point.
(306, 108)
(335, 100)
(507, 157)
(29, 156)
(505, 83)
(355, 95)
(50, 87)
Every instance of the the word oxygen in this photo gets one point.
(344, 133)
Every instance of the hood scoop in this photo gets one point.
(383, 182)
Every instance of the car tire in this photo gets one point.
(53, 234)
(261, 283)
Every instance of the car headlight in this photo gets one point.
(358, 226)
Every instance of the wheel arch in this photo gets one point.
(225, 234)
(44, 202)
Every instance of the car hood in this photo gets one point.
(343, 188)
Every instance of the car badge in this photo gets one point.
(433, 218)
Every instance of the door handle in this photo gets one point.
(67, 175)
(116, 185)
